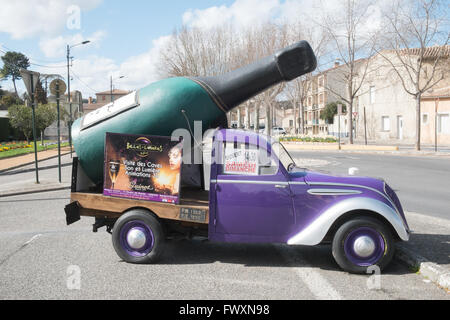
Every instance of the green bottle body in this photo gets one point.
(159, 112)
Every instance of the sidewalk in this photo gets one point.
(23, 166)
(361, 148)
(427, 251)
(26, 159)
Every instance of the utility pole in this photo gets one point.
(68, 96)
(68, 91)
(111, 86)
(57, 87)
(339, 107)
(436, 103)
(365, 127)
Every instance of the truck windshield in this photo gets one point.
(284, 156)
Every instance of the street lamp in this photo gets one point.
(112, 98)
(68, 90)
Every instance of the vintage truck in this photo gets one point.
(275, 202)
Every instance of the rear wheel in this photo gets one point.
(138, 237)
(361, 243)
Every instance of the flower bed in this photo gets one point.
(328, 139)
(15, 148)
(14, 145)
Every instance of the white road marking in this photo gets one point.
(317, 285)
(32, 239)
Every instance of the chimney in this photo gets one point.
(90, 100)
(336, 64)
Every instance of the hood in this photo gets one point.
(319, 177)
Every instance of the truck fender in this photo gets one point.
(315, 232)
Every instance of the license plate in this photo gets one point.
(192, 214)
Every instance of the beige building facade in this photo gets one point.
(436, 116)
(390, 112)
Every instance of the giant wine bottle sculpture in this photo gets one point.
(158, 108)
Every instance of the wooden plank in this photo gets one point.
(96, 204)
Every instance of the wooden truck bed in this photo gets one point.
(193, 206)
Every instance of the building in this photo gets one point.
(103, 98)
(323, 88)
(245, 116)
(391, 111)
(108, 96)
(436, 116)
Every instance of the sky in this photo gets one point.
(125, 36)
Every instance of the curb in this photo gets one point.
(431, 270)
(29, 163)
(334, 146)
(18, 193)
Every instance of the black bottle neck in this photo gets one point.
(237, 86)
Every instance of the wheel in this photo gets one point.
(138, 237)
(361, 243)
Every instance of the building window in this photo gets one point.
(291, 123)
(443, 123)
(321, 98)
(425, 118)
(372, 94)
(385, 123)
(103, 98)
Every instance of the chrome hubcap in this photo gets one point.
(136, 238)
(364, 246)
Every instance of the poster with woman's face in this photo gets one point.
(142, 167)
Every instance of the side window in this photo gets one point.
(247, 160)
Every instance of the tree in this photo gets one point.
(297, 90)
(46, 114)
(20, 118)
(352, 40)
(330, 110)
(207, 52)
(197, 52)
(417, 34)
(256, 43)
(8, 99)
(12, 62)
(40, 94)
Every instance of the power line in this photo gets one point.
(84, 83)
(32, 63)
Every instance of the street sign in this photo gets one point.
(62, 86)
(30, 78)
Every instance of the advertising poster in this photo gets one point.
(241, 161)
(142, 167)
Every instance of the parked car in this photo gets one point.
(276, 131)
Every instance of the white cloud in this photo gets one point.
(141, 69)
(27, 18)
(92, 73)
(56, 47)
(241, 13)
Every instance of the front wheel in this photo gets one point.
(361, 243)
(138, 237)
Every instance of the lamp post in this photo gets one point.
(68, 90)
(111, 90)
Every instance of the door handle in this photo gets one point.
(281, 186)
